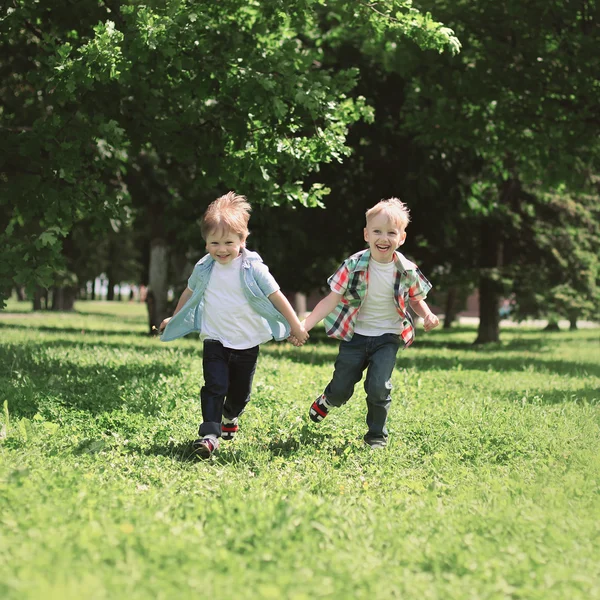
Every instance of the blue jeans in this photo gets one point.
(227, 385)
(377, 354)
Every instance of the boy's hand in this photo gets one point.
(293, 340)
(162, 326)
(300, 334)
(430, 322)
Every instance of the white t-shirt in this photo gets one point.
(378, 313)
(227, 316)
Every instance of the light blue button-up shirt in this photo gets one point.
(257, 284)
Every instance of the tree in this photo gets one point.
(558, 274)
(522, 97)
(209, 96)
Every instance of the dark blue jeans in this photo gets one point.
(378, 355)
(227, 385)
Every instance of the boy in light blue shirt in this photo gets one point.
(235, 304)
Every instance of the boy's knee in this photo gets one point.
(337, 397)
(379, 391)
(215, 388)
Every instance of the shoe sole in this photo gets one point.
(375, 446)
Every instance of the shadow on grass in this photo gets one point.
(32, 377)
(182, 451)
(29, 375)
(285, 447)
(73, 330)
(501, 364)
(308, 436)
(473, 359)
(581, 395)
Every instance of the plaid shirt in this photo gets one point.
(352, 280)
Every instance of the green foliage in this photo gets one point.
(488, 489)
(556, 272)
(229, 94)
(521, 94)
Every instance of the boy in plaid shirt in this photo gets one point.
(372, 326)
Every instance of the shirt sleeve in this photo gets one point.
(193, 280)
(419, 287)
(338, 282)
(266, 282)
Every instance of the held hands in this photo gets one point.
(430, 322)
(298, 336)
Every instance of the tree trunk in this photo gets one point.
(20, 294)
(489, 288)
(38, 294)
(573, 314)
(110, 290)
(450, 310)
(489, 296)
(552, 325)
(63, 298)
(300, 304)
(156, 299)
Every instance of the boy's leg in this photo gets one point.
(349, 366)
(215, 362)
(242, 365)
(378, 385)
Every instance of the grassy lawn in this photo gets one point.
(489, 488)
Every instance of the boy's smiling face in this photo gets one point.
(383, 236)
(223, 245)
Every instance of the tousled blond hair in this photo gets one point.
(395, 210)
(230, 212)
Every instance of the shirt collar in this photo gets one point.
(402, 263)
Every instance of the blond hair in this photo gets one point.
(395, 210)
(230, 212)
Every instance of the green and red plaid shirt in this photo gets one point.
(352, 280)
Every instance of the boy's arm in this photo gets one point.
(322, 309)
(281, 303)
(429, 319)
(185, 296)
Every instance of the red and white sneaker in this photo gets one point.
(229, 427)
(319, 409)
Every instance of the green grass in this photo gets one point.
(489, 488)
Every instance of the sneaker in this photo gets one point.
(229, 427)
(204, 447)
(376, 443)
(319, 409)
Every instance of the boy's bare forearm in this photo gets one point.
(420, 307)
(282, 304)
(430, 321)
(185, 296)
(322, 309)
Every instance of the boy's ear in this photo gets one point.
(403, 238)
(366, 234)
